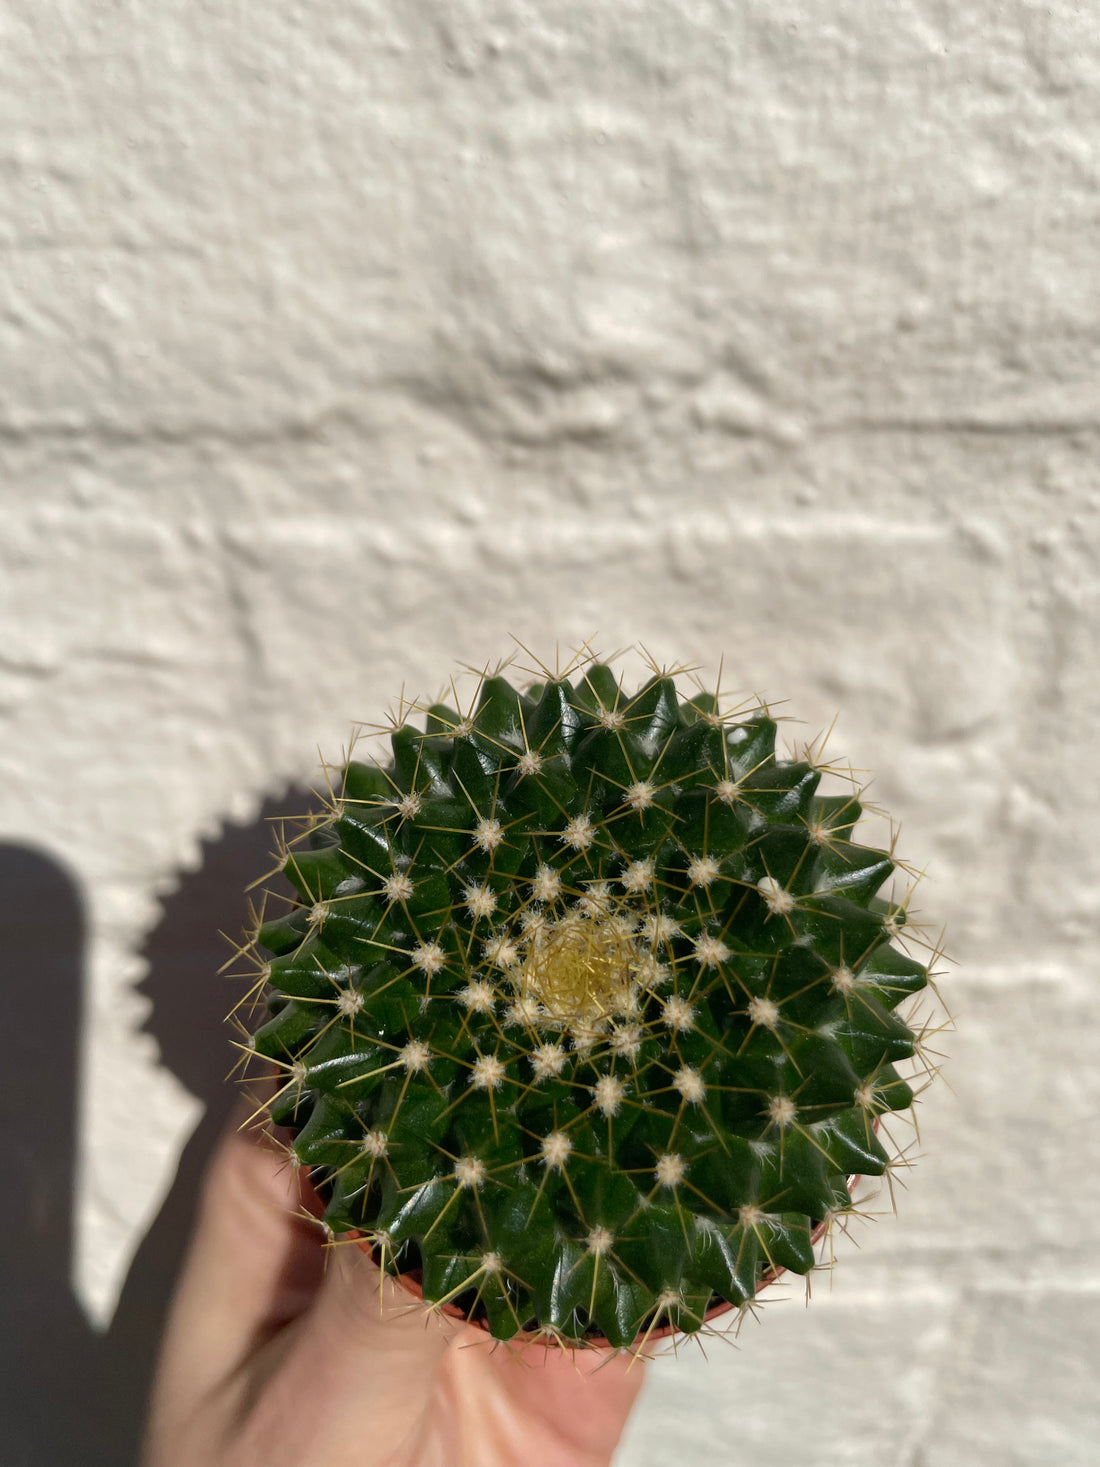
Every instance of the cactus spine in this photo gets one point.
(586, 1011)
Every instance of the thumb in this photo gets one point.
(365, 1328)
(352, 1378)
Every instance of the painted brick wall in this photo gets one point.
(339, 343)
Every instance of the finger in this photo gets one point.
(255, 1261)
(348, 1382)
(368, 1330)
(574, 1403)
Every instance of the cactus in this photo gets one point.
(586, 1012)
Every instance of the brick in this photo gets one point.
(999, 1171)
(890, 222)
(1018, 1384)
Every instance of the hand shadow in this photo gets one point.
(47, 1347)
(67, 1392)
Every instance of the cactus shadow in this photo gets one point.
(68, 1392)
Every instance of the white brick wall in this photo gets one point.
(340, 342)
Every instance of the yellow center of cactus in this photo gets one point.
(578, 969)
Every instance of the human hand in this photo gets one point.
(282, 1352)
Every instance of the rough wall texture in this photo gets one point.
(338, 343)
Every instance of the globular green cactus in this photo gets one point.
(586, 1011)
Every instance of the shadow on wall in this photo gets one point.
(67, 1392)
